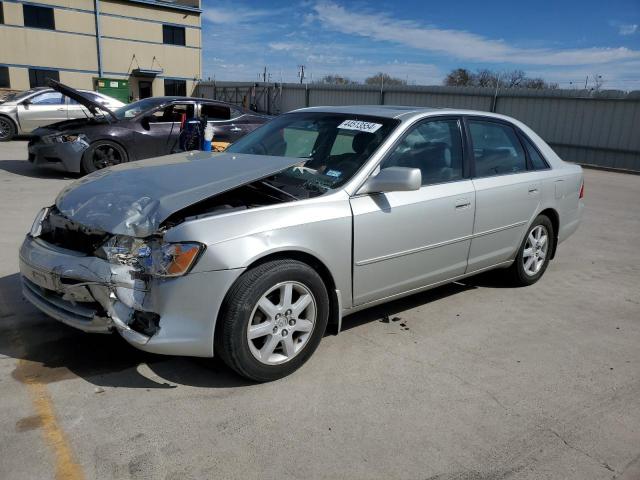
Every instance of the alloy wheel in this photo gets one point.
(281, 323)
(535, 250)
(105, 156)
(5, 128)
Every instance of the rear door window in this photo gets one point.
(215, 112)
(496, 149)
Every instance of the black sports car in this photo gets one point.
(147, 128)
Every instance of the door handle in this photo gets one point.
(235, 129)
(533, 190)
(61, 109)
(462, 204)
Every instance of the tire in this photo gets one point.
(534, 254)
(103, 154)
(7, 129)
(282, 339)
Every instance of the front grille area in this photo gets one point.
(62, 232)
(83, 311)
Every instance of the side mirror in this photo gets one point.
(393, 179)
(145, 122)
(26, 103)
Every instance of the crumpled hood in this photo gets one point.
(135, 198)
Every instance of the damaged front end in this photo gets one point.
(95, 281)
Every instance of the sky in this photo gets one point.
(563, 41)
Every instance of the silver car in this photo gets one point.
(21, 113)
(251, 253)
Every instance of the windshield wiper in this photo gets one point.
(279, 190)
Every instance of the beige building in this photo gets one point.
(153, 47)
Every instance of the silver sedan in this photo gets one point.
(251, 253)
(23, 112)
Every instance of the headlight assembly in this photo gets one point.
(152, 256)
(69, 138)
(36, 227)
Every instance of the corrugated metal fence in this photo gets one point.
(600, 129)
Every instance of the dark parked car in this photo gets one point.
(147, 128)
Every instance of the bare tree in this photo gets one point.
(460, 77)
(485, 78)
(513, 79)
(335, 79)
(381, 78)
(598, 81)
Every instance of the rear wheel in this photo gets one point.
(534, 253)
(7, 129)
(273, 320)
(103, 154)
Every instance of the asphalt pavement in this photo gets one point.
(468, 381)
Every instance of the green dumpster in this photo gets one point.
(118, 89)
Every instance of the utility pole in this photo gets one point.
(264, 74)
(586, 80)
(301, 73)
(96, 9)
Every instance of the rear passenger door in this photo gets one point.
(406, 240)
(77, 110)
(507, 193)
(218, 116)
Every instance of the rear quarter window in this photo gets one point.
(537, 161)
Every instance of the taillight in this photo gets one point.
(581, 190)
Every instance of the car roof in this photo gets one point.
(193, 99)
(385, 111)
(402, 112)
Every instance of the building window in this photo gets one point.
(175, 88)
(4, 77)
(38, 17)
(38, 77)
(173, 35)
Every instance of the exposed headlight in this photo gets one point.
(152, 256)
(36, 227)
(69, 138)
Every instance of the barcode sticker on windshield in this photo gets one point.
(360, 126)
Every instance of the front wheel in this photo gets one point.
(7, 129)
(103, 154)
(273, 320)
(534, 254)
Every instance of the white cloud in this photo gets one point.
(628, 29)
(236, 14)
(457, 43)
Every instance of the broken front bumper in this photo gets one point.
(93, 295)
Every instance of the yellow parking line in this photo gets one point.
(54, 436)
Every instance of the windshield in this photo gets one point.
(136, 108)
(332, 148)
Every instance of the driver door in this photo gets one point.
(403, 241)
(159, 131)
(42, 110)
